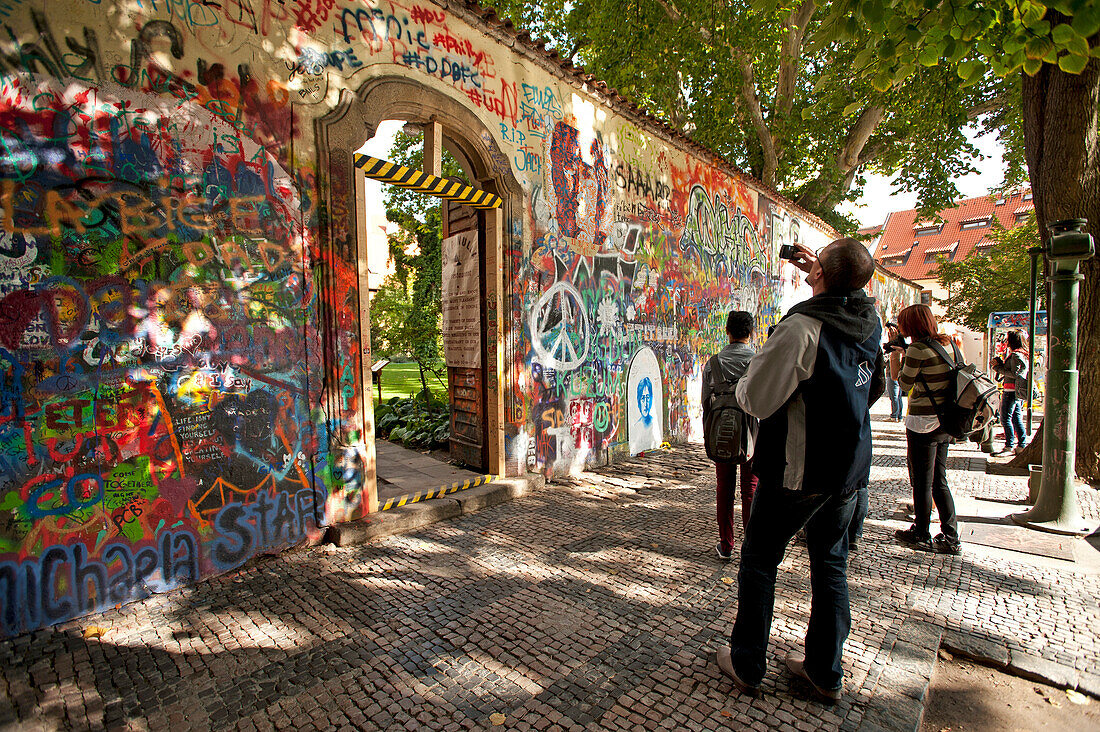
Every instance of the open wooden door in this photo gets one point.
(466, 384)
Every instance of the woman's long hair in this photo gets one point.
(918, 322)
(1016, 341)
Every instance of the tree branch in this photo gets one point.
(990, 105)
(676, 16)
(822, 189)
(789, 64)
(752, 103)
(858, 136)
(748, 89)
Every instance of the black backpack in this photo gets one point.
(729, 434)
(971, 399)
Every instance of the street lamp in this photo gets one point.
(1056, 508)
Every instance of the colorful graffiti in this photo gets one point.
(182, 339)
(622, 295)
(155, 329)
(891, 293)
(998, 327)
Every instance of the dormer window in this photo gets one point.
(1000, 202)
(975, 223)
(1028, 196)
(927, 229)
(940, 253)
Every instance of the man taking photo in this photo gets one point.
(811, 386)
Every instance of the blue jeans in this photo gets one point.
(859, 515)
(1013, 420)
(897, 403)
(777, 514)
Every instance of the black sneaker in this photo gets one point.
(944, 545)
(723, 554)
(914, 540)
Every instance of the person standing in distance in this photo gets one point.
(1013, 371)
(893, 368)
(730, 363)
(811, 385)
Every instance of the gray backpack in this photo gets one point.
(971, 400)
(729, 434)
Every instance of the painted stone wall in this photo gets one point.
(892, 293)
(180, 351)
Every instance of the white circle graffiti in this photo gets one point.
(559, 327)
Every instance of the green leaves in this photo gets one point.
(1037, 47)
(415, 421)
(971, 71)
(1086, 21)
(873, 11)
(883, 80)
(1073, 64)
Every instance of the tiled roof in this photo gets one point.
(903, 251)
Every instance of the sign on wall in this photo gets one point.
(461, 301)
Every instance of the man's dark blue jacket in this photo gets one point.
(812, 385)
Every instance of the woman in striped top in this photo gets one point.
(924, 376)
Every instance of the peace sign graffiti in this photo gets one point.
(559, 327)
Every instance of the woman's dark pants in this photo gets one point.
(927, 458)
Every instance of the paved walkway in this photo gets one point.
(594, 604)
(403, 472)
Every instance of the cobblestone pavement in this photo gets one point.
(592, 604)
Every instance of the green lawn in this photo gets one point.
(403, 379)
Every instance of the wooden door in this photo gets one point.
(466, 386)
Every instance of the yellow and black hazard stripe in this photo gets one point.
(439, 492)
(418, 180)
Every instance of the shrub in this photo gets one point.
(417, 421)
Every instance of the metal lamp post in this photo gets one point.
(1034, 253)
(1056, 508)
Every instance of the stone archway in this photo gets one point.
(347, 357)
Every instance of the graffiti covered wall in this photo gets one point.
(180, 322)
(158, 339)
(892, 293)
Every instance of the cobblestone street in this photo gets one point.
(595, 603)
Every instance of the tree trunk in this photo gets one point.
(1060, 113)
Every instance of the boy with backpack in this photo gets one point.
(728, 432)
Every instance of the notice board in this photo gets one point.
(461, 301)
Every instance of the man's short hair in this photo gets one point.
(846, 265)
(740, 324)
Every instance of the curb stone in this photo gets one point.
(1024, 665)
(417, 515)
(988, 652)
(897, 702)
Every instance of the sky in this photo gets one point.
(379, 147)
(880, 196)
